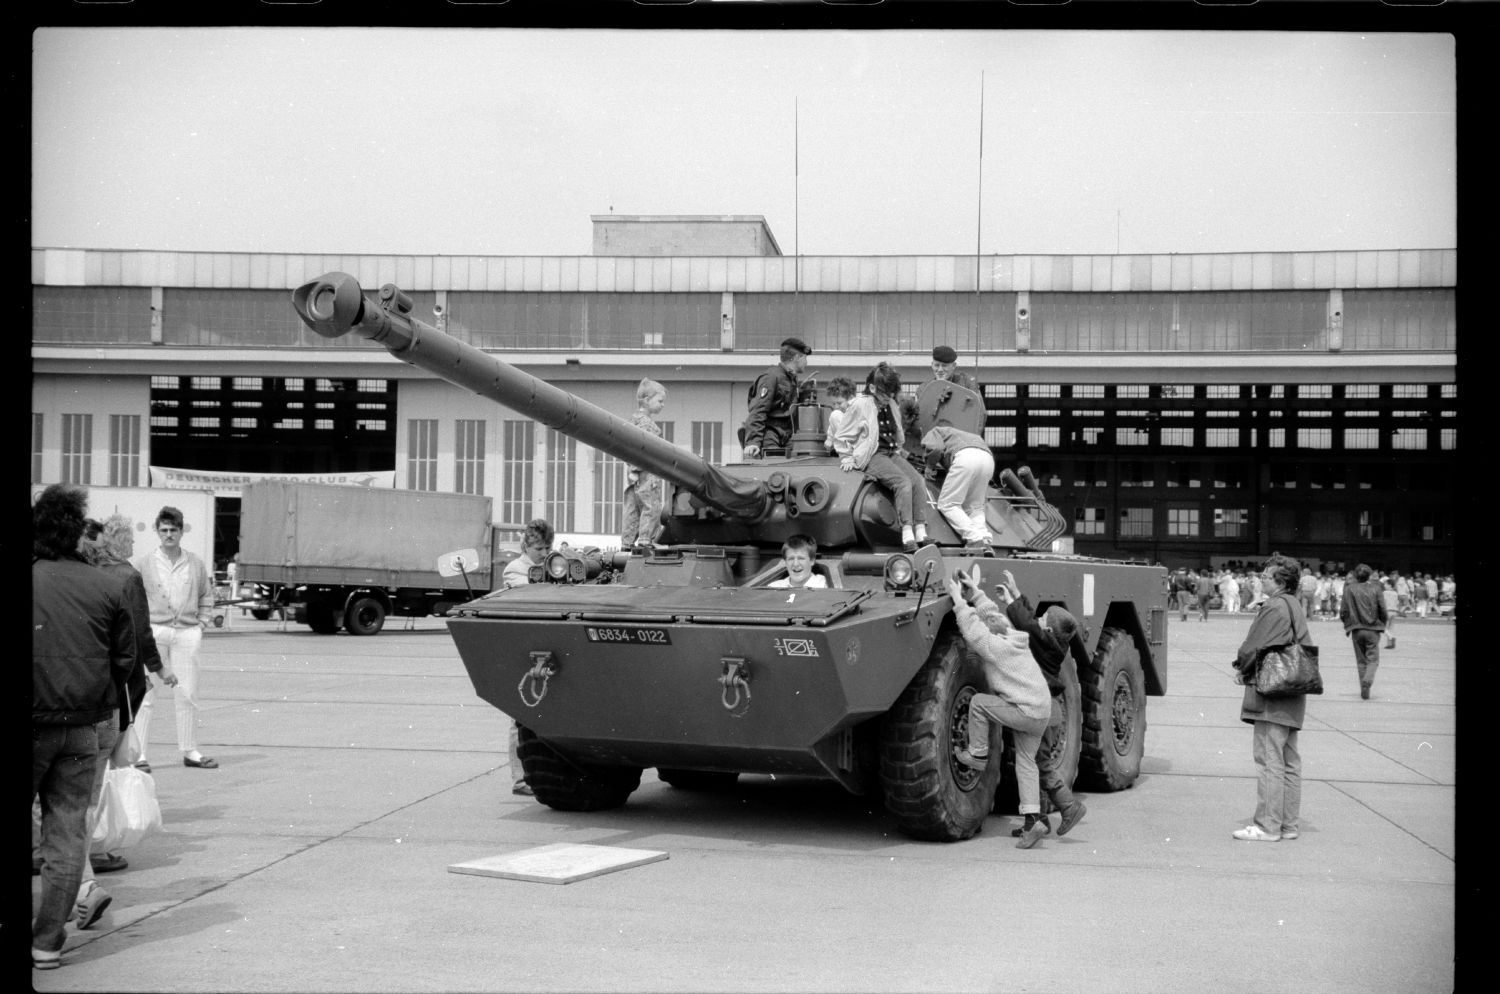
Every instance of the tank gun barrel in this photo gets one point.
(334, 305)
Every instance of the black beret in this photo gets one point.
(944, 353)
(798, 344)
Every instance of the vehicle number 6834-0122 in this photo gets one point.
(628, 635)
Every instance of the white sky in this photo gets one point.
(505, 141)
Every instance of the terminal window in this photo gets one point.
(77, 448)
(518, 443)
(708, 441)
(124, 450)
(1088, 521)
(562, 468)
(609, 483)
(468, 456)
(1182, 521)
(421, 454)
(36, 447)
(1135, 522)
(1374, 525)
(1231, 522)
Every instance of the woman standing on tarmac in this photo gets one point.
(1278, 793)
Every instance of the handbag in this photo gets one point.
(1288, 670)
(128, 810)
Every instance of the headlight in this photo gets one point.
(557, 566)
(898, 571)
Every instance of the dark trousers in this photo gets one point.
(1049, 759)
(63, 758)
(1366, 654)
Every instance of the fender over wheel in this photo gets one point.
(565, 784)
(1114, 714)
(932, 795)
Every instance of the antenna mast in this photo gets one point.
(978, 220)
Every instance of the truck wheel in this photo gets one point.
(1114, 714)
(567, 785)
(323, 618)
(260, 613)
(366, 616)
(697, 779)
(932, 795)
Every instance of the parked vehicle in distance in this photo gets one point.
(348, 557)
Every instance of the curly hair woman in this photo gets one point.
(1278, 795)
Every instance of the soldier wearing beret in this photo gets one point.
(768, 425)
(945, 367)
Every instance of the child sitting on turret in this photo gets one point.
(880, 455)
(643, 491)
(798, 552)
(850, 421)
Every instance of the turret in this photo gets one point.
(334, 305)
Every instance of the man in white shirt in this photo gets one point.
(181, 596)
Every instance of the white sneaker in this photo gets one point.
(1254, 833)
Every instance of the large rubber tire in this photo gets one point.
(931, 794)
(365, 616)
(567, 785)
(1114, 714)
(697, 779)
(260, 613)
(323, 618)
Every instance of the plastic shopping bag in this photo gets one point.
(127, 748)
(128, 811)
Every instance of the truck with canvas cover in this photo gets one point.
(688, 662)
(347, 557)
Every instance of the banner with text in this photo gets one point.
(227, 483)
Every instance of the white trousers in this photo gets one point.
(964, 490)
(179, 650)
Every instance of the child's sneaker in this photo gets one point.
(1032, 834)
(1046, 823)
(972, 761)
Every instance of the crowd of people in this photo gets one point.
(102, 628)
(1234, 588)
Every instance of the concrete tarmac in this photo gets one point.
(355, 770)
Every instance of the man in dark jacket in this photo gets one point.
(1364, 616)
(82, 645)
(1052, 637)
(768, 423)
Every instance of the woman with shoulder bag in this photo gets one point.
(1281, 622)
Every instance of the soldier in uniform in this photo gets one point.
(945, 367)
(768, 425)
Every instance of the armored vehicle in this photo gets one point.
(686, 661)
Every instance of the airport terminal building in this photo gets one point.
(1183, 409)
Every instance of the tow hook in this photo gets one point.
(736, 678)
(543, 668)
